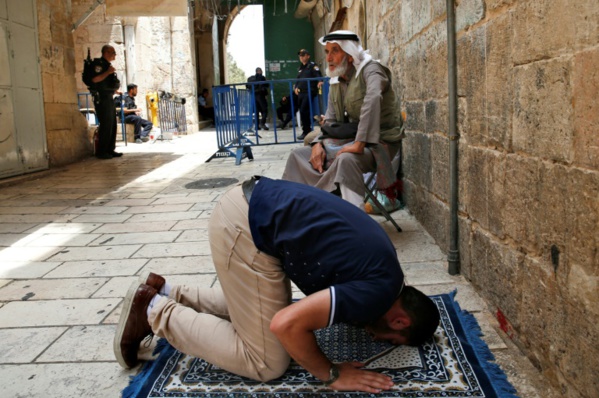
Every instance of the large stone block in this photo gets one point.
(51, 58)
(384, 41)
(70, 62)
(465, 246)
(552, 214)
(468, 13)
(415, 119)
(499, 76)
(81, 37)
(587, 22)
(541, 320)
(521, 207)
(586, 108)
(57, 116)
(472, 83)
(65, 148)
(475, 190)
(106, 33)
(412, 70)
(550, 312)
(582, 224)
(439, 8)
(440, 166)
(436, 220)
(436, 116)
(385, 6)
(430, 212)
(180, 24)
(392, 29)
(482, 186)
(417, 155)
(548, 28)
(44, 22)
(497, 271)
(415, 16)
(64, 89)
(493, 5)
(61, 32)
(543, 114)
(413, 197)
(48, 87)
(496, 192)
(435, 62)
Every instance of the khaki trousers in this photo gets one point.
(230, 328)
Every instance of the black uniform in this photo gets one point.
(306, 71)
(260, 93)
(137, 121)
(284, 111)
(103, 92)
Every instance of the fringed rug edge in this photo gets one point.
(137, 382)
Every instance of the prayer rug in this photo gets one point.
(454, 363)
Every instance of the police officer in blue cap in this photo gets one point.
(308, 69)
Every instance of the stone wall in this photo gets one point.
(163, 57)
(528, 78)
(66, 127)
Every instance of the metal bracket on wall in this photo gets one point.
(87, 14)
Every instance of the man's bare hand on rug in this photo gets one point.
(352, 378)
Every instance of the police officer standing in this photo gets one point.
(307, 70)
(260, 94)
(105, 84)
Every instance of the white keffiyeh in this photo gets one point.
(354, 48)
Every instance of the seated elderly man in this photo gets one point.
(360, 95)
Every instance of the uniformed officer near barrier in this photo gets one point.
(308, 69)
(105, 84)
(260, 94)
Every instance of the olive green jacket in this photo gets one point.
(352, 102)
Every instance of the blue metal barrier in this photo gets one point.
(121, 115)
(233, 112)
(236, 119)
(86, 106)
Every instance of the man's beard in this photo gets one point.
(339, 70)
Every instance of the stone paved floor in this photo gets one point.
(73, 239)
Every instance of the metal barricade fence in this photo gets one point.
(171, 113)
(87, 108)
(237, 122)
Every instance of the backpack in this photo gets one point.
(88, 71)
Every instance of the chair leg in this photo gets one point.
(382, 209)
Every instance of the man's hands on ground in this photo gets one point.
(352, 378)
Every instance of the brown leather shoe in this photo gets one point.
(151, 279)
(133, 324)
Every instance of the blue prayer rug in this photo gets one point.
(454, 363)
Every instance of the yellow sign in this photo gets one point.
(146, 8)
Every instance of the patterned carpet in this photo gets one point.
(456, 363)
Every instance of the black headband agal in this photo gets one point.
(341, 36)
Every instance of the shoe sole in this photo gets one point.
(143, 278)
(127, 304)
